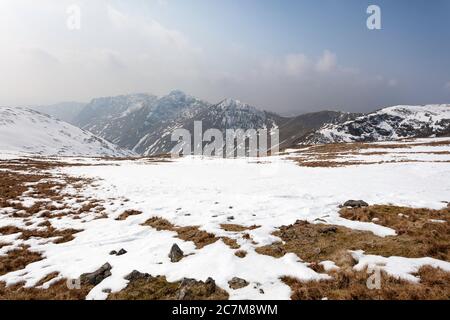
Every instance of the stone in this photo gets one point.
(210, 286)
(237, 283)
(121, 252)
(355, 203)
(136, 275)
(94, 278)
(175, 254)
(328, 230)
(113, 253)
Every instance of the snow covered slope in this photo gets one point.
(388, 124)
(27, 131)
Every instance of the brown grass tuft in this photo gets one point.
(237, 228)
(17, 259)
(128, 213)
(158, 288)
(240, 253)
(348, 284)
(57, 291)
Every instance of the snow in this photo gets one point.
(206, 192)
(24, 132)
(389, 123)
(399, 267)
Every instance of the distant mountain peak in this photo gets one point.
(390, 123)
(24, 130)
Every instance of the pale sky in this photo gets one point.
(285, 56)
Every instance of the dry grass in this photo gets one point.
(237, 227)
(240, 253)
(57, 291)
(158, 288)
(191, 233)
(17, 259)
(351, 285)
(318, 242)
(417, 235)
(326, 155)
(64, 235)
(128, 213)
(4, 244)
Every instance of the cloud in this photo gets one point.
(327, 62)
(119, 50)
(296, 64)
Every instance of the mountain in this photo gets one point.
(24, 130)
(387, 124)
(140, 121)
(65, 111)
(293, 130)
(144, 123)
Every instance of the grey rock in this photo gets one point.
(94, 278)
(113, 253)
(121, 252)
(136, 275)
(175, 254)
(355, 203)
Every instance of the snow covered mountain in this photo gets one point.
(387, 124)
(65, 111)
(27, 131)
(139, 121)
(144, 123)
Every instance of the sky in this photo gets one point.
(285, 56)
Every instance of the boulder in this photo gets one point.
(94, 278)
(121, 252)
(175, 254)
(136, 275)
(355, 203)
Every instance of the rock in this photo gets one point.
(210, 286)
(184, 294)
(355, 203)
(113, 253)
(136, 275)
(230, 218)
(237, 283)
(185, 291)
(107, 290)
(121, 252)
(97, 276)
(191, 289)
(328, 230)
(448, 205)
(175, 254)
(261, 291)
